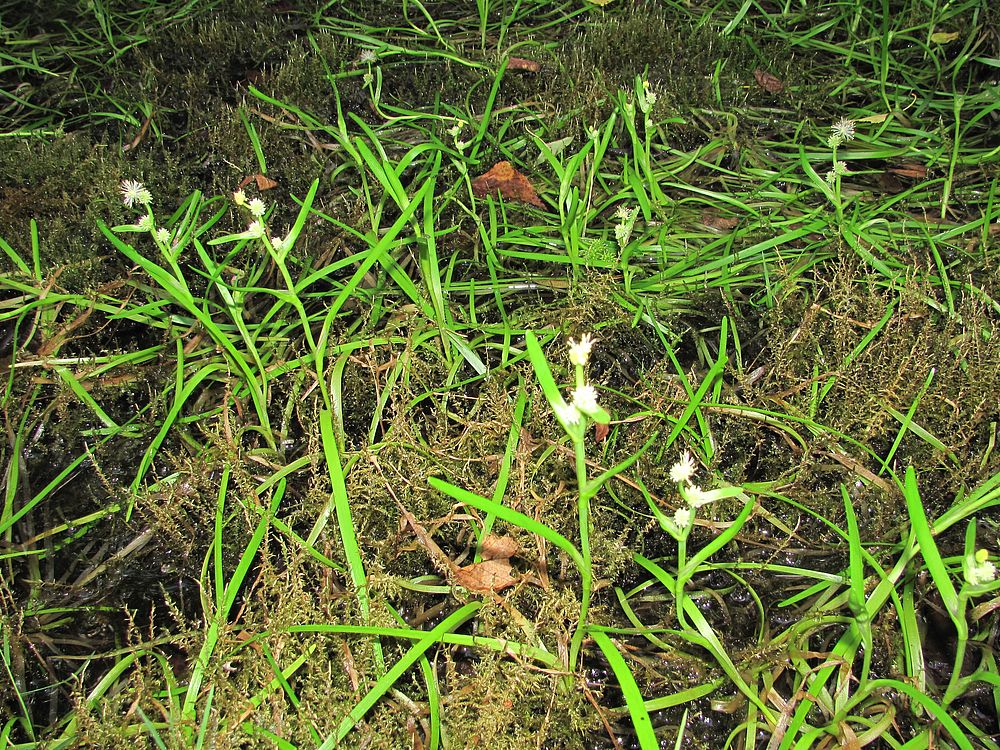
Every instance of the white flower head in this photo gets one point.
(281, 244)
(842, 130)
(683, 517)
(579, 351)
(163, 235)
(696, 496)
(684, 469)
(240, 198)
(982, 570)
(567, 413)
(145, 223)
(135, 193)
(839, 170)
(255, 231)
(257, 207)
(367, 56)
(585, 399)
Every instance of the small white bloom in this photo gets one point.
(696, 496)
(163, 235)
(281, 244)
(683, 516)
(255, 231)
(585, 399)
(134, 192)
(367, 57)
(257, 207)
(842, 130)
(684, 469)
(579, 351)
(567, 413)
(240, 198)
(625, 213)
(145, 223)
(839, 170)
(982, 570)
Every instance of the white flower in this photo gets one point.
(257, 207)
(163, 235)
(367, 57)
(982, 570)
(255, 231)
(240, 198)
(696, 496)
(682, 517)
(281, 244)
(842, 130)
(839, 170)
(145, 223)
(585, 399)
(579, 351)
(134, 192)
(684, 469)
(567, 413)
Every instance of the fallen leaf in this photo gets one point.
(488, 575)
(263, 182)
(873, 118)
(601, 431)
(909, 169)
(768, 81)
(943, 37)
(521, 63)
(509, 183)
(718, 224)
(496, 547)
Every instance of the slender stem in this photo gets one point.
(586, 492)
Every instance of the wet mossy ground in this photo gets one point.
(106, 582)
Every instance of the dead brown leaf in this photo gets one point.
(499, 547)
(262, 180)
(488, 575)
(509, 183)
(909, 169)
(718, 224)
(522, 63)
(768, 81)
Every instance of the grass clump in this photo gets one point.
(315, 442)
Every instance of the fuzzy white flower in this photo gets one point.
(839, 170)
(135, 193)
(257, 207)
(585, 399)
(684, 469)
(255, 231)
(982, 570)
(842, 130)
(579, 351)
(696, 496)
(367, 57)
(683, 516)
(163, 235)
(567, 413)
(281, 244)
(240, 198)
(145, 223)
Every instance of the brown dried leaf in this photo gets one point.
(768, 81)
(718, 224)
(909, 169)
(522, 63)
(509, 183)
(499, 547)
(263, 182)
(488, 575)
(601, 431)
